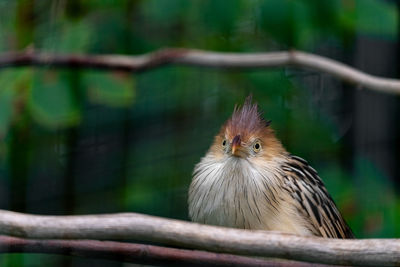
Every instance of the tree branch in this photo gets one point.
(137, 253)
(205, 59)
(132, 226)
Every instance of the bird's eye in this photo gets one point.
(257, 146)
(224, 143)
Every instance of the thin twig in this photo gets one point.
(132, 226)
(137, 253)
(190, 57)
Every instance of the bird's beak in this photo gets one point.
(235, 145)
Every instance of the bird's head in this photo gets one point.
(247, 135)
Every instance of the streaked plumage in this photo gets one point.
(248, 180)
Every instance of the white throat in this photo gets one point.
(234, 192)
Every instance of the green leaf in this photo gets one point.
(220, 16)
(166, 12)
(70, 36)
(324, 14)
(378, 213)
(113, 89)
(52, 102)
(377, 18)
(286, 21)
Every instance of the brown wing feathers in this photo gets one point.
(307, 188)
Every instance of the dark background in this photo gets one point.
(87, 141)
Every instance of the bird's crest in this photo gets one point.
(246, 120)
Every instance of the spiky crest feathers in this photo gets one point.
(246, 121)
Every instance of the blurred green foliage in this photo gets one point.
(51, 100)
(173, 113)
(99, 84)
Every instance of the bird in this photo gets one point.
(248, 180)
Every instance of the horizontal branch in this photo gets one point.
(206, 59)
(132, 226)
(137, 253)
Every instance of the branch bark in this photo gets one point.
(190, 57)
(137, 253)
(132, 226)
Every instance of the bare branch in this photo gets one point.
(132, 226)
(206, 59)
(137, 253)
